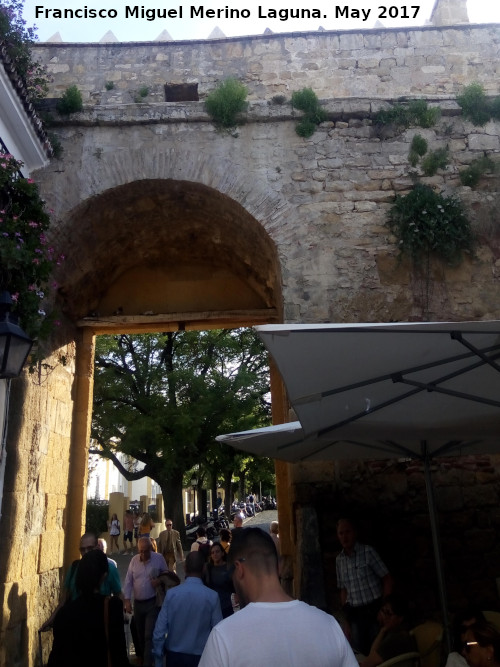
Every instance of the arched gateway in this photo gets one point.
(146, 255)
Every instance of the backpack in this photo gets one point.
(204, 548)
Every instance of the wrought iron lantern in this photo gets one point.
(15, 345)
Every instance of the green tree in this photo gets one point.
(163, 398)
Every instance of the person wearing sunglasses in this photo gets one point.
(271, 628)
(393, 638)
(461, 623)
(170, 546)
(482, 645)
(111, 585)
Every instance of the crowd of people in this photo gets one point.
(232, 610)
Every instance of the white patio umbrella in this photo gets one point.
(379, 391)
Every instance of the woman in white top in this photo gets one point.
(114, 532)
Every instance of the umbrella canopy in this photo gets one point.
(406, 381)
(380, 391)
(383, 390)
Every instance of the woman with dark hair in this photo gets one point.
(482, 645)
(114, 532)
(89, 630)
(393, 638)
(225, 539)
(461, 623)
(217, 577)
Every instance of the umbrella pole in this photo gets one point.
(436, 543)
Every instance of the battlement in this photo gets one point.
(377, 63)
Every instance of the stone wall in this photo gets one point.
(323, 202)
(389, 503)
(35, 503)
(375, 64)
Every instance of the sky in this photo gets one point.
(124, 19)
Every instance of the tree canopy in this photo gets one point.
(163, 398)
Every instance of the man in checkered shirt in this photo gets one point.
(363, 580)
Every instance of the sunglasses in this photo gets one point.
(467, 646)
(84, 550)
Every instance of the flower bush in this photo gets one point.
(16, 40)
(27, 260)
(425, 222)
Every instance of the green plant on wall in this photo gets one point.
(413, 113)
(434, 160)
(225, 103)
(428, 224)
(418, 148)
(425, 223)
(430, 161)
(141, 94)
(70, 102)
(476, 170)
(307, 101)
(476, 106)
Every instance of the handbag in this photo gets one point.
(167, 580)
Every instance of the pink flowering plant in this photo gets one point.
(27, 259)
(17, 39)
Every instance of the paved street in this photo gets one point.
(262, 519)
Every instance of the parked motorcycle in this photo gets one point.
(195, 523)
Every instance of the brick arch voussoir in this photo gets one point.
(225, 176)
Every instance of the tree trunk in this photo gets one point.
(242, 485)
(171, 488)
(228, 475)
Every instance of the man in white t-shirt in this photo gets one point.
(271, 627)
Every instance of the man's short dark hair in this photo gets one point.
(91, 568)
(256, 548)
(347, 519)
(195, 562)
(89, 533)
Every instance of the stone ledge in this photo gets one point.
(258, 112)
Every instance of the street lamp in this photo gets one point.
(194, 484)
(15, 345)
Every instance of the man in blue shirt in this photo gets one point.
(188, 614)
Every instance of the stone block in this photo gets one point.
(51, 550)
(484, 142)
(477, 496)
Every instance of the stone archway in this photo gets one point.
(159, 255)
(164, 246)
